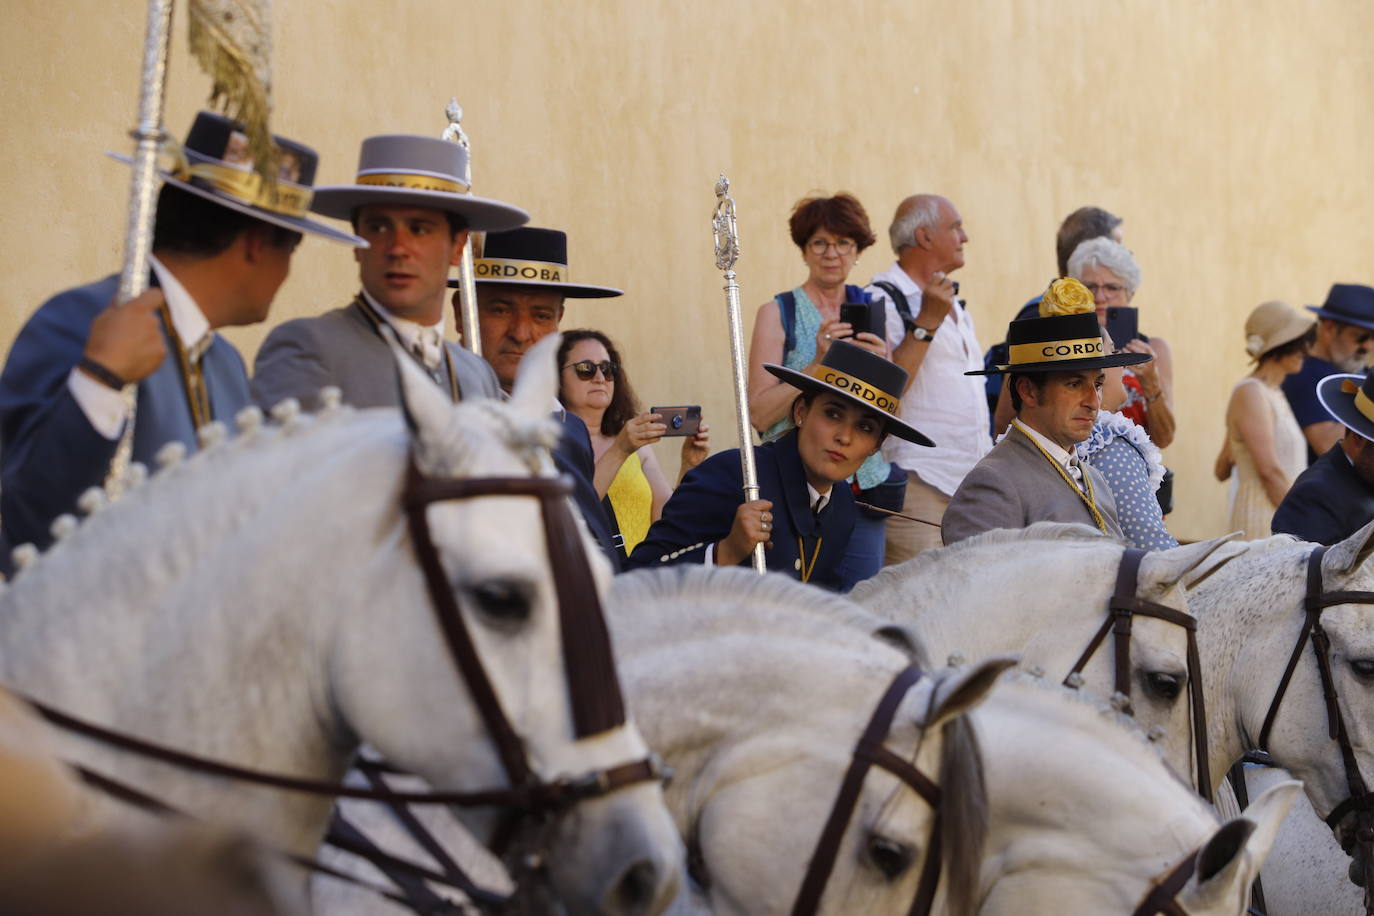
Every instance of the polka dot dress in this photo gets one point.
(1137, 509)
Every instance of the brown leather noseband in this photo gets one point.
(869, 752)
(1122, 607)
(1360, 802)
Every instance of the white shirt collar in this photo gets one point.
(1055, 452)
(408, 331)
(813, 494)
(187, 318)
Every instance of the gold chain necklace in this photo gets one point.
(1088, 498)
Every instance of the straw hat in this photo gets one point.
(1273, 324)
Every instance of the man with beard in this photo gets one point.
(1343, 342)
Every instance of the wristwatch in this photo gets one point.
(921, 333)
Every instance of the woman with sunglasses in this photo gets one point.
(628, 478)
(806, 512)
(796, 328)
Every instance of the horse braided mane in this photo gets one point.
(890, 576)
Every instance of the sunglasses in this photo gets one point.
(586, 370)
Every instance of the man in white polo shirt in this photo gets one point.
(932, 337)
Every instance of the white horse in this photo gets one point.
(1250, 613)
(754, 689)
(261, 603)
(1042, 592)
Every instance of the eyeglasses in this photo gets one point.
(586, 369)
(1109, 288)
(821, 246)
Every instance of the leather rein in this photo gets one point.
(593, 685)
(1360, 802)
(869, 752)
(1122, 608)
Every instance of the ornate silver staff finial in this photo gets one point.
(724, 227)
(454, 112)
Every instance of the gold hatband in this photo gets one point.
(857, 387)
(1053, 351)
(1362, 402)
(285, 198)
(507, 269)
(413, 182)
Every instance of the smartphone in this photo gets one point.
(859, 315)
(1121, 324)
(681, 421)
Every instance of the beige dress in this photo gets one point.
(1251, 510)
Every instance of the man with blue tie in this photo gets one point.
(222, 245)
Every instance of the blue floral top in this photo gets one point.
(1124, 454)
(806, 324)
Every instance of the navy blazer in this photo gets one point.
(49, 452)
(1327, 503)
(701, 513)
(573, 457)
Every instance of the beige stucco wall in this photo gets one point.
(1233, 135)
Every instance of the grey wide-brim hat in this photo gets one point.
(412, 171)
(215, 164)
(1350, 401)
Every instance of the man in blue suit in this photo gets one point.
(1334, 497)
(522, 280)
(222, 245)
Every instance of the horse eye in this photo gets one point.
(502, 599)
(888, 856)
(1164, 685)
(1363, 667)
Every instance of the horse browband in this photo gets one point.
(1121, 607)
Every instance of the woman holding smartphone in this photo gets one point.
(806, 513)
(592, 385)
(796, 328)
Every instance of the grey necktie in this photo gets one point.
(429, 347)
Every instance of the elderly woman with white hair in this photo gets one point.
(1109, 271)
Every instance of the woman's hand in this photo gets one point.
(695, 449)
(638, 432)
(830, 331)
(753, 525)
(1147, 372)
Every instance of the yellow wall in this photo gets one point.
(1233, 135)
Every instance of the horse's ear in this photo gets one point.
(958, 692)
(1349, 555)
(422, 404)
(536, 382)
(1188, 563)
(1229, 861)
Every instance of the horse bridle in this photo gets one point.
(869, 752)
(1121, 609)
(1360, 802)
(593, 685)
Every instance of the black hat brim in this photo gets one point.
(298, 224)
(1069, 365)
(566, 290)
(1367, 323)
(1341, 406)
(895, 426)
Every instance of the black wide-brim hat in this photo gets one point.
(402, 170)
(216, 163)
(1349, 303)
(859, 376)
(530, 256)
(1059, 343)
(1350, 400)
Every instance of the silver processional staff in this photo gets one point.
(467, 284)
(726, 231)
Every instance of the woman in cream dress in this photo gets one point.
(1265, 450)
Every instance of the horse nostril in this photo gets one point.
(636, 892)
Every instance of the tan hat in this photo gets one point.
(1273, 324)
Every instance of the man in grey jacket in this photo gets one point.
(408, 203)
(1033, 474)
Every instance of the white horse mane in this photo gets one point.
(730, 598)
(1036, 533)
(476, 425)
(1088, 701)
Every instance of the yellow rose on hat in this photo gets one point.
(1066, 296)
